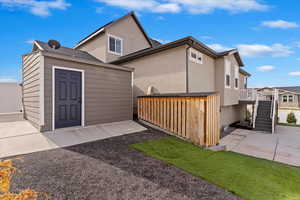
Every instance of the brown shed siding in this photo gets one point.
(31, 88)
(108, 92)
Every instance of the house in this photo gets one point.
(182, 66)
(64, 87)
(109, 55)
(288, 100)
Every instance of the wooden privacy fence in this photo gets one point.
(193, 116)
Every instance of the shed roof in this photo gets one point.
(43, 46)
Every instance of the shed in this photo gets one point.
(64, 87)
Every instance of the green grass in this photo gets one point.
(287, 124)
(248, 177)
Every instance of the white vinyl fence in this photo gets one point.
(10, 98)
(283, 113)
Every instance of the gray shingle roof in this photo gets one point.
(68, 52)
(295, 89)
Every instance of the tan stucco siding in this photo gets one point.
(31, 75)
(202, 76)
(242, 82)
(231, 95)
(132, 37)
(164, 71)
(230, 114)
(220, 77)
(96, 47)
(108, 93)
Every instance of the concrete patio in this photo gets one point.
(21, 137)
(283, 146)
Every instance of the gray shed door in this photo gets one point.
(68, 98)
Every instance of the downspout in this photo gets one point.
(187, 68)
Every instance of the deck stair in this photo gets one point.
(263, 117)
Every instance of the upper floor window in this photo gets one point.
(245, 82)
(196, 56)
(291, 98)
(284, 99)
(115, 45)
(227, 74)
(236, 76)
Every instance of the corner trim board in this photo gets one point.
(83, 93)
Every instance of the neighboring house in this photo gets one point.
(288, 100)
(182, 66)
(105, 59)
(11, 98)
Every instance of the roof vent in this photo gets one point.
(54, 44)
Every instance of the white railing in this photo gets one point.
(255, 110)
(248, 94)
(274, 109)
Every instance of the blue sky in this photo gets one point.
(267, 33)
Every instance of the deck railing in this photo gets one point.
(195, 118)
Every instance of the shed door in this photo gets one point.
(68, 98)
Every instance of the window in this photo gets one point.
(227, 80)
(115, 45)
(236, 83)
(227, 73)
(245, 82)
(291, 98)
(236, 76)
(284, 99)
(196, 56)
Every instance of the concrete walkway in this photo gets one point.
(283, 146)
(18, 138)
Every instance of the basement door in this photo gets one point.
(68, 98)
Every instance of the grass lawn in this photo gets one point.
(287, 124)
(248, 177)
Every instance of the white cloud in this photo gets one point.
(206, 37)
(266, 68)
(260, 50)
(29, 41)
(219, 47)
(294, 73)
(192, 6)
(149, 5)
(160, 18)
(298, 59)
(7, 80)
(280, 24)
(39, 8)
(256, 50)
(298, 44)
(162, 41)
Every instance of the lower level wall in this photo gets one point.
(283, 113)
(231, 114)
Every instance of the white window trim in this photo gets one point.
(198, 54)
(289, 99)
(226, 72)
(112, 52)
(82, 95)
(283, 99)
